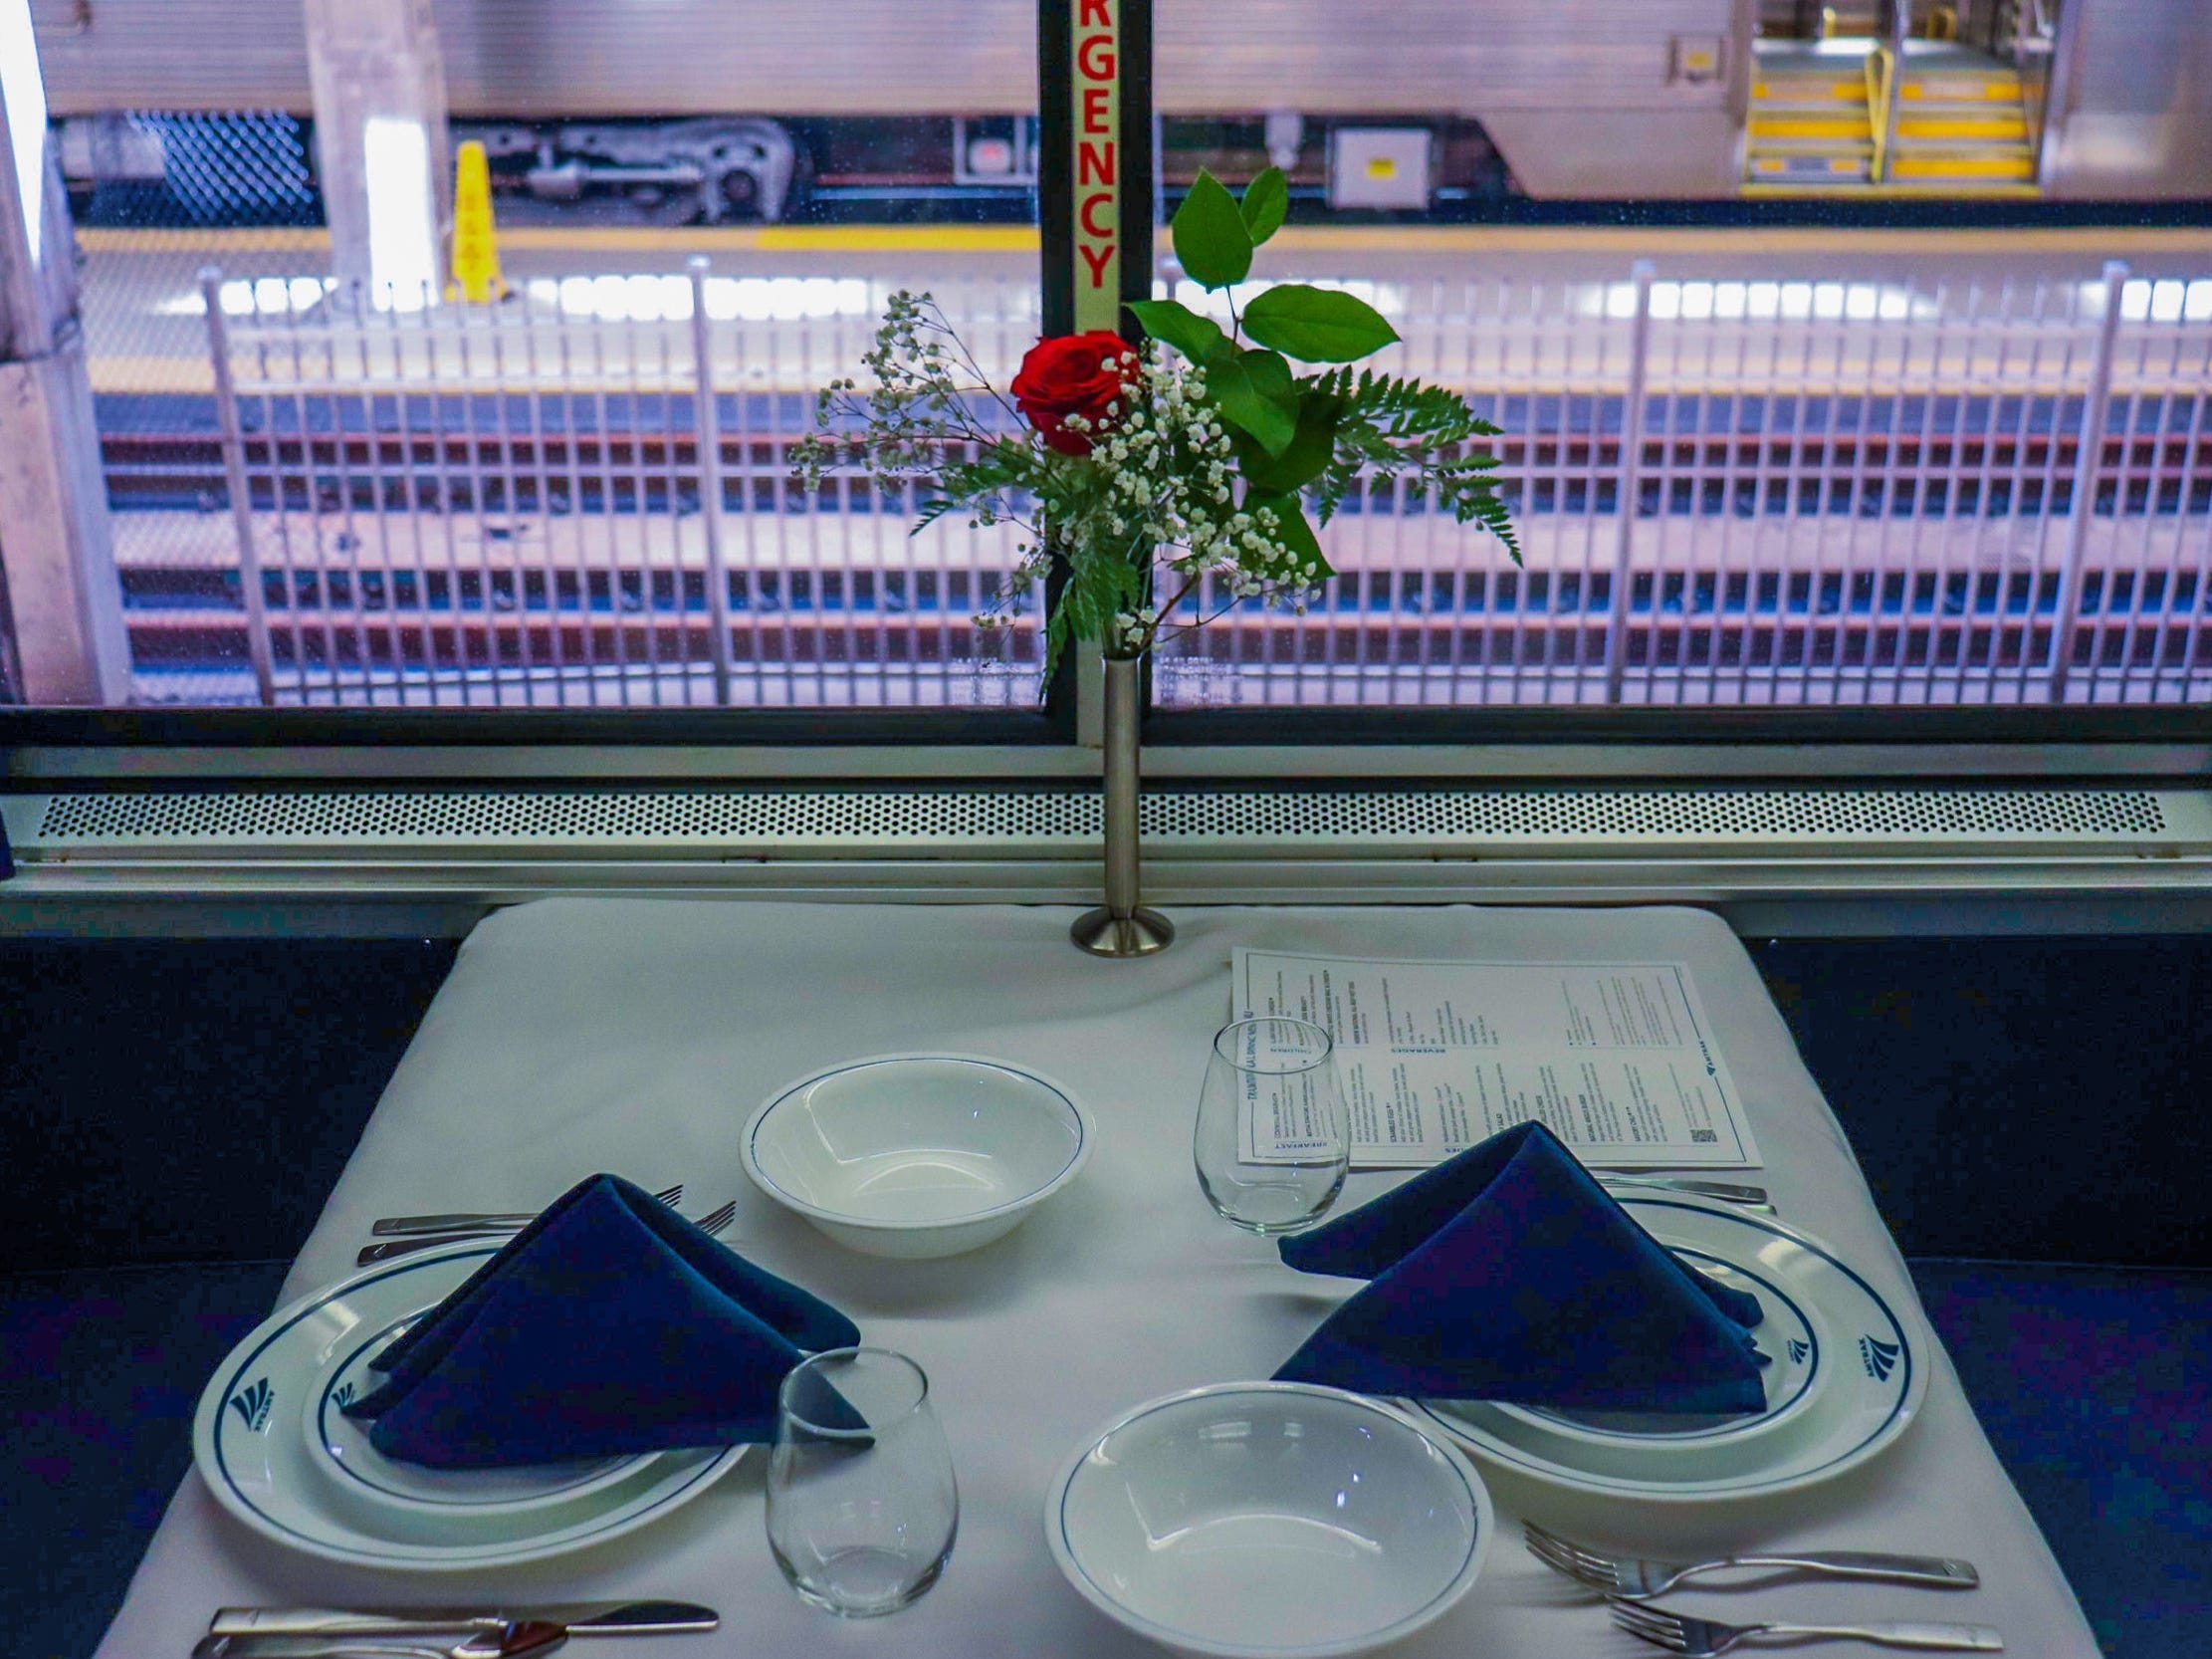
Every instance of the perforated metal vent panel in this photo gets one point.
(1038, 820)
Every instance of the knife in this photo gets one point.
(590, 1619)
(1729, 1191)
(503, 1640)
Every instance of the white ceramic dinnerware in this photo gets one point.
(917, 1155)
(1268, 1521)
(1848, 1376)
(273, 1445)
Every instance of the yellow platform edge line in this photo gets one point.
(1965, 380)
(2117, 241)
(262, 239)
(1670, 239)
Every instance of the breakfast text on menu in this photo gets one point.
(1617, 1058)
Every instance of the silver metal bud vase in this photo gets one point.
(1121, 927)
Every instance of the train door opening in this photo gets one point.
(1937, 97)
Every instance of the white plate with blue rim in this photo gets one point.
(1849, 1373)
(273, 1444)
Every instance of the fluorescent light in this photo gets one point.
(24, 91)
(647, 298)
(1389, 298)
(403, 244)
(1698, 300)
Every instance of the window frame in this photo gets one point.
(1056, 738)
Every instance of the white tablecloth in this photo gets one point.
(636, 1036)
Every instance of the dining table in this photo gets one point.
(637, 1036)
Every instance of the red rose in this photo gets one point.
(1072, 374)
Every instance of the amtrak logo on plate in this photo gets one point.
(251, 1404)
(1879, 1359)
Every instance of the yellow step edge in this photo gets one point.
(1781, 160)
(2013, 128)
(1809, 91)
(1844, 166)
(1960, 92)
(1793, 126)
(1962, 166)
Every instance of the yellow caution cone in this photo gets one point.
(474, 244)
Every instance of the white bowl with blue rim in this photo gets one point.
(917, 1155)
(1269, 1521)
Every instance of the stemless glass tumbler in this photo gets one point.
(1272, 1146)
(862, 1503)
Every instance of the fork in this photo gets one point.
(1626, 1578)
(1705, 1638)
(713, 1222)
(395, 1226)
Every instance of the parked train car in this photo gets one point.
(684, 110)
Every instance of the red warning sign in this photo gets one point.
(1097, 145)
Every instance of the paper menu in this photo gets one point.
(1617, 1058)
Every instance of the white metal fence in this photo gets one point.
(582, 496)
(1729, 492)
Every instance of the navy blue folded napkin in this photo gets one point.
(1508, 1273)
(609, 1324)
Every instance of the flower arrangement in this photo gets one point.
(1179, 470)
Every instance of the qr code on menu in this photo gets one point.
(1703, 1137)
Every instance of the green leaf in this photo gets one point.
(1196, 336)
(1211, 241)
(1229, 385)
(1100, 583)
(1295, 534)
(1317, 324)
(1303, 458)
(1271, 378)
(1266, 201)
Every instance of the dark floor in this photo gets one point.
(100, 1371)
(2094, 1384)
(138, 1077)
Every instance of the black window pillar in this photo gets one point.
(1094, 188)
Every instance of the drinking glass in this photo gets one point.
(862, 1503)
(1271, 1145)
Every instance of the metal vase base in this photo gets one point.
(1139, 933)
(1121, 926)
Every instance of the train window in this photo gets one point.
(1827, 370)
(451, 359)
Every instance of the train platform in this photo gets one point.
(145, 323)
